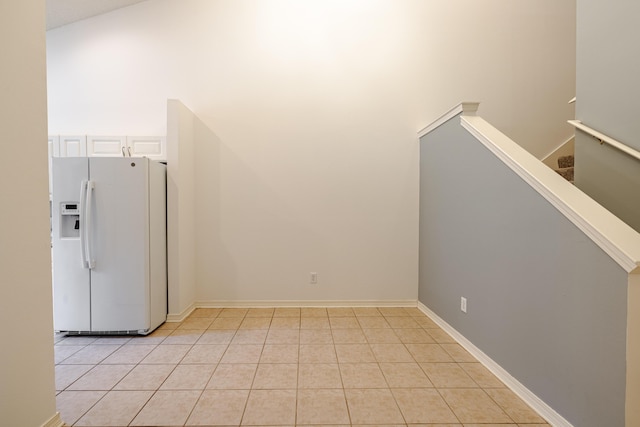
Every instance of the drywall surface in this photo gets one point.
(609, 176)
(27, 389)
(181, 208)
(607, 68)
(315, 106)
(607, 89)
(212, 260)
(543, 300)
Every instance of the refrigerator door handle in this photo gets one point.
(83, 207)
(91, 263)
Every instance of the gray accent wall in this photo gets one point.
(544, 302)
(607, 90)
(607, 67)
(609, 176)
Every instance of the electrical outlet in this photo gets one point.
(463, 304)
(314, 278)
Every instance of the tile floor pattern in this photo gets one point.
(386, 366)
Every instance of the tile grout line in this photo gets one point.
(295, 413)
(246, 403)
(83, 375)
(106, 392)
(387, 382)
(438, 340)
(335, 351)
(164, 381)
(153, 392)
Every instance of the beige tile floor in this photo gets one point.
(385, 366)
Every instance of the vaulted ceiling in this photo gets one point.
(63, 12)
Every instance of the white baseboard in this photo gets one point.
(305, 303)
(54, 421)
(179, 317)
(544, 410)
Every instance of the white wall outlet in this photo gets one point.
(463, 304)
(314, 278)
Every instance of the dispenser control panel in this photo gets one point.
(70, 209)
(70, 220)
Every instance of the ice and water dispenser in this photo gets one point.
(69, 220)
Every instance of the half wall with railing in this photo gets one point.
(550, 277)
(608, 170)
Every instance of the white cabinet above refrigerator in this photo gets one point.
(152, 147)
(72, 145)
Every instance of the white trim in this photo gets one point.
(605, 139)
(181, 316)
(171, 318)
(617, 239)
(546, 158)
(466, 108)
(54, 421)
(306, 303)
(544, 410)
(632, 391)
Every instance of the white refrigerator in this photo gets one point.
(109, 245)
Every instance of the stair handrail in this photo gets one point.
(604, 139)
(610, 233)
(468, 108)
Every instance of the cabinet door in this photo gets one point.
(73, 146)
(153, 147)
(105, 146)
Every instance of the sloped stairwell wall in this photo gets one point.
(544, 301)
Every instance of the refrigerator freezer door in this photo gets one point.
(120, 244)
(71, 281)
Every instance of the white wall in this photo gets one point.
(315, 107)
(181, 213)
(27, 391)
